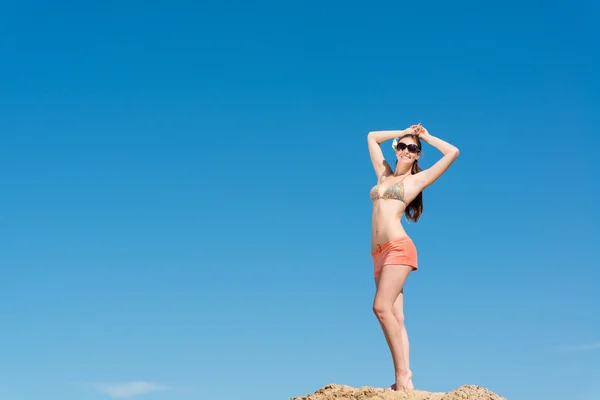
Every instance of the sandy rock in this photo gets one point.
(344, 392)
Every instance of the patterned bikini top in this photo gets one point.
(394, 192)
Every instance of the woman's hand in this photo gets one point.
(422, 133)
(412, 130)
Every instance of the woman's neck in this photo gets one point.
(401, 173)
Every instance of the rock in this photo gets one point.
(344, 392)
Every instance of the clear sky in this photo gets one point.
(185, 206)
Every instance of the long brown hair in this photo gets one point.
(414, 209)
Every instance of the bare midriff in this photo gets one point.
(386, 225)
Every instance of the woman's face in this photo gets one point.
(407, 151)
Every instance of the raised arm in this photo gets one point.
(374, 140)
(431, 174)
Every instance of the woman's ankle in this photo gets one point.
(403, 374)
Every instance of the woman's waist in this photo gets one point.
(389, 225)
(387, 234)
(383, 244)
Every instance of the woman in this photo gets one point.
(394, 254)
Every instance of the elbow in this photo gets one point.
(453, 154)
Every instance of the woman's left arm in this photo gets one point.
(431, 174)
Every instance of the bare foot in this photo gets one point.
(410, 385)
(403, 383)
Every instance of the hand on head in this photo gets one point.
(417, 130)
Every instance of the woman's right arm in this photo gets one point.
(374, 139)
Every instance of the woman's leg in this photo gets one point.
(389, 287)
(399, 314)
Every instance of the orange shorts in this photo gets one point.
(401, 250)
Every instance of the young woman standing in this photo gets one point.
(399, 192)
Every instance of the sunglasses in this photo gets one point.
(412, 148)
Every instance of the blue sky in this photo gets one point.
(186, 211)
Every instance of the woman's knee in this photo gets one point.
(381, 308)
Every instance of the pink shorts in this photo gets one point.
(401, 250)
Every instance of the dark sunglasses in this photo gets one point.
(412, 148)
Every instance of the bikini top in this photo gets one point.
(394, 192)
